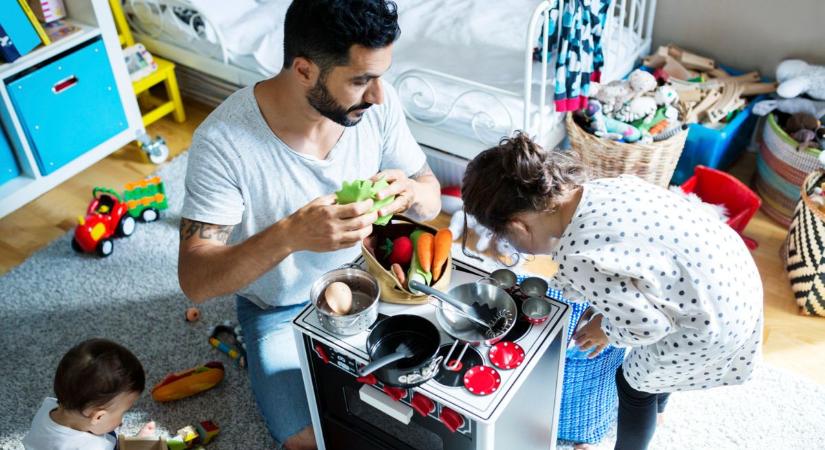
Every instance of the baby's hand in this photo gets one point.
(148, 430)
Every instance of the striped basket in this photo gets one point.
(804, 251)
(589, 400)
(781, 170)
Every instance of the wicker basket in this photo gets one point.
(802, 251)
(605, 158)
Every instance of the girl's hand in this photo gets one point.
(591, 336)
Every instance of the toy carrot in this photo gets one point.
(424, 250)
(442, 246)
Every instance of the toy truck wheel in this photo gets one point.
(149, 215)
(126, 226)
(105, 247)
(76, 246)
(159, 153)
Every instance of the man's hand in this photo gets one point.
(323, 226)
(401, 187)
(592, 336)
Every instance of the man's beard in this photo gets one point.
(322, 100)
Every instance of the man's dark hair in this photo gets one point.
(94, 372)
(324, 30)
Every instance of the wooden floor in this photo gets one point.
(793, 342)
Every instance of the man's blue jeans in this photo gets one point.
(274, 367)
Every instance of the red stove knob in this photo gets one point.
(422, 404)
(395, 393)
(319, 349)
(367, 379)
(451, 419)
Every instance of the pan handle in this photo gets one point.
(381, 362)
(448, 358)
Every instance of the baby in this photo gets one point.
(96, 382)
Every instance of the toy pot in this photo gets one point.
(418, 336)
(365, 295)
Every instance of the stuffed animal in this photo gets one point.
(638, 108)
(606, 127)
(612, 95)
(667, 96)
(796, 77)
(642, 82)
(790, 106)
(803, 127)
(485, 237)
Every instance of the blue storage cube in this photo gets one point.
(716, 148)
(8, 163)
(68, 106)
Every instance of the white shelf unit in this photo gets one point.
(95, 19)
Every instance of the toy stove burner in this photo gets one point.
(522, 326)
(455, 378)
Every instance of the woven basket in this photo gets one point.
(589, 399)
(780, 171)
(392, 291)
(605, 158)
(803, 252)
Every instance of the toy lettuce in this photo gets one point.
(359, 190)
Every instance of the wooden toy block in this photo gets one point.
(758, 88)
(690, 60)
(207, 430)
(702, 106)
(189, 435)
(138, 443)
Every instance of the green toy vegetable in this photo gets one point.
(360, 190)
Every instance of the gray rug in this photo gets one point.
(57, 298)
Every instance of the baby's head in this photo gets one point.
(98, 381)
(512, 185)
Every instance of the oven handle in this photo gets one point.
(385, 404)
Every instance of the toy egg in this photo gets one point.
(339, 298)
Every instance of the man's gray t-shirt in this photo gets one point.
(240, 173)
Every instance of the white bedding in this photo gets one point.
(479, 40)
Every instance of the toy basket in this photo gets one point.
(589, 399)
(605, 158)
(720, 188)
(802, 251)
(780, 171)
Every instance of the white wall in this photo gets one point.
(746, 34)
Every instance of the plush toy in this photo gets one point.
(803, 128)
(667, 97)
(790, 106)
(607, 127)
(796, 77)
(451, 199)
(485, 236)
(638, 108)
(642, 82)
(612, 95)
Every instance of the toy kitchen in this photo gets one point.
(482, 397)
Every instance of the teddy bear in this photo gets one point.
(797, 77)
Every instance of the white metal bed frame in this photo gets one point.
(634, 19)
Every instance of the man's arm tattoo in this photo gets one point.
(191, 228)
(424, 171)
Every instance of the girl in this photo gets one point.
(665, 277)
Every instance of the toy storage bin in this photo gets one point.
(68, 105)
(780, 171)
(802, 253)
(8, 163)
(720, 188)
(717, 148)
(589, 400)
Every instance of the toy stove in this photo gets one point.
(349, 412)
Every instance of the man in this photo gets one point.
(259, 218)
